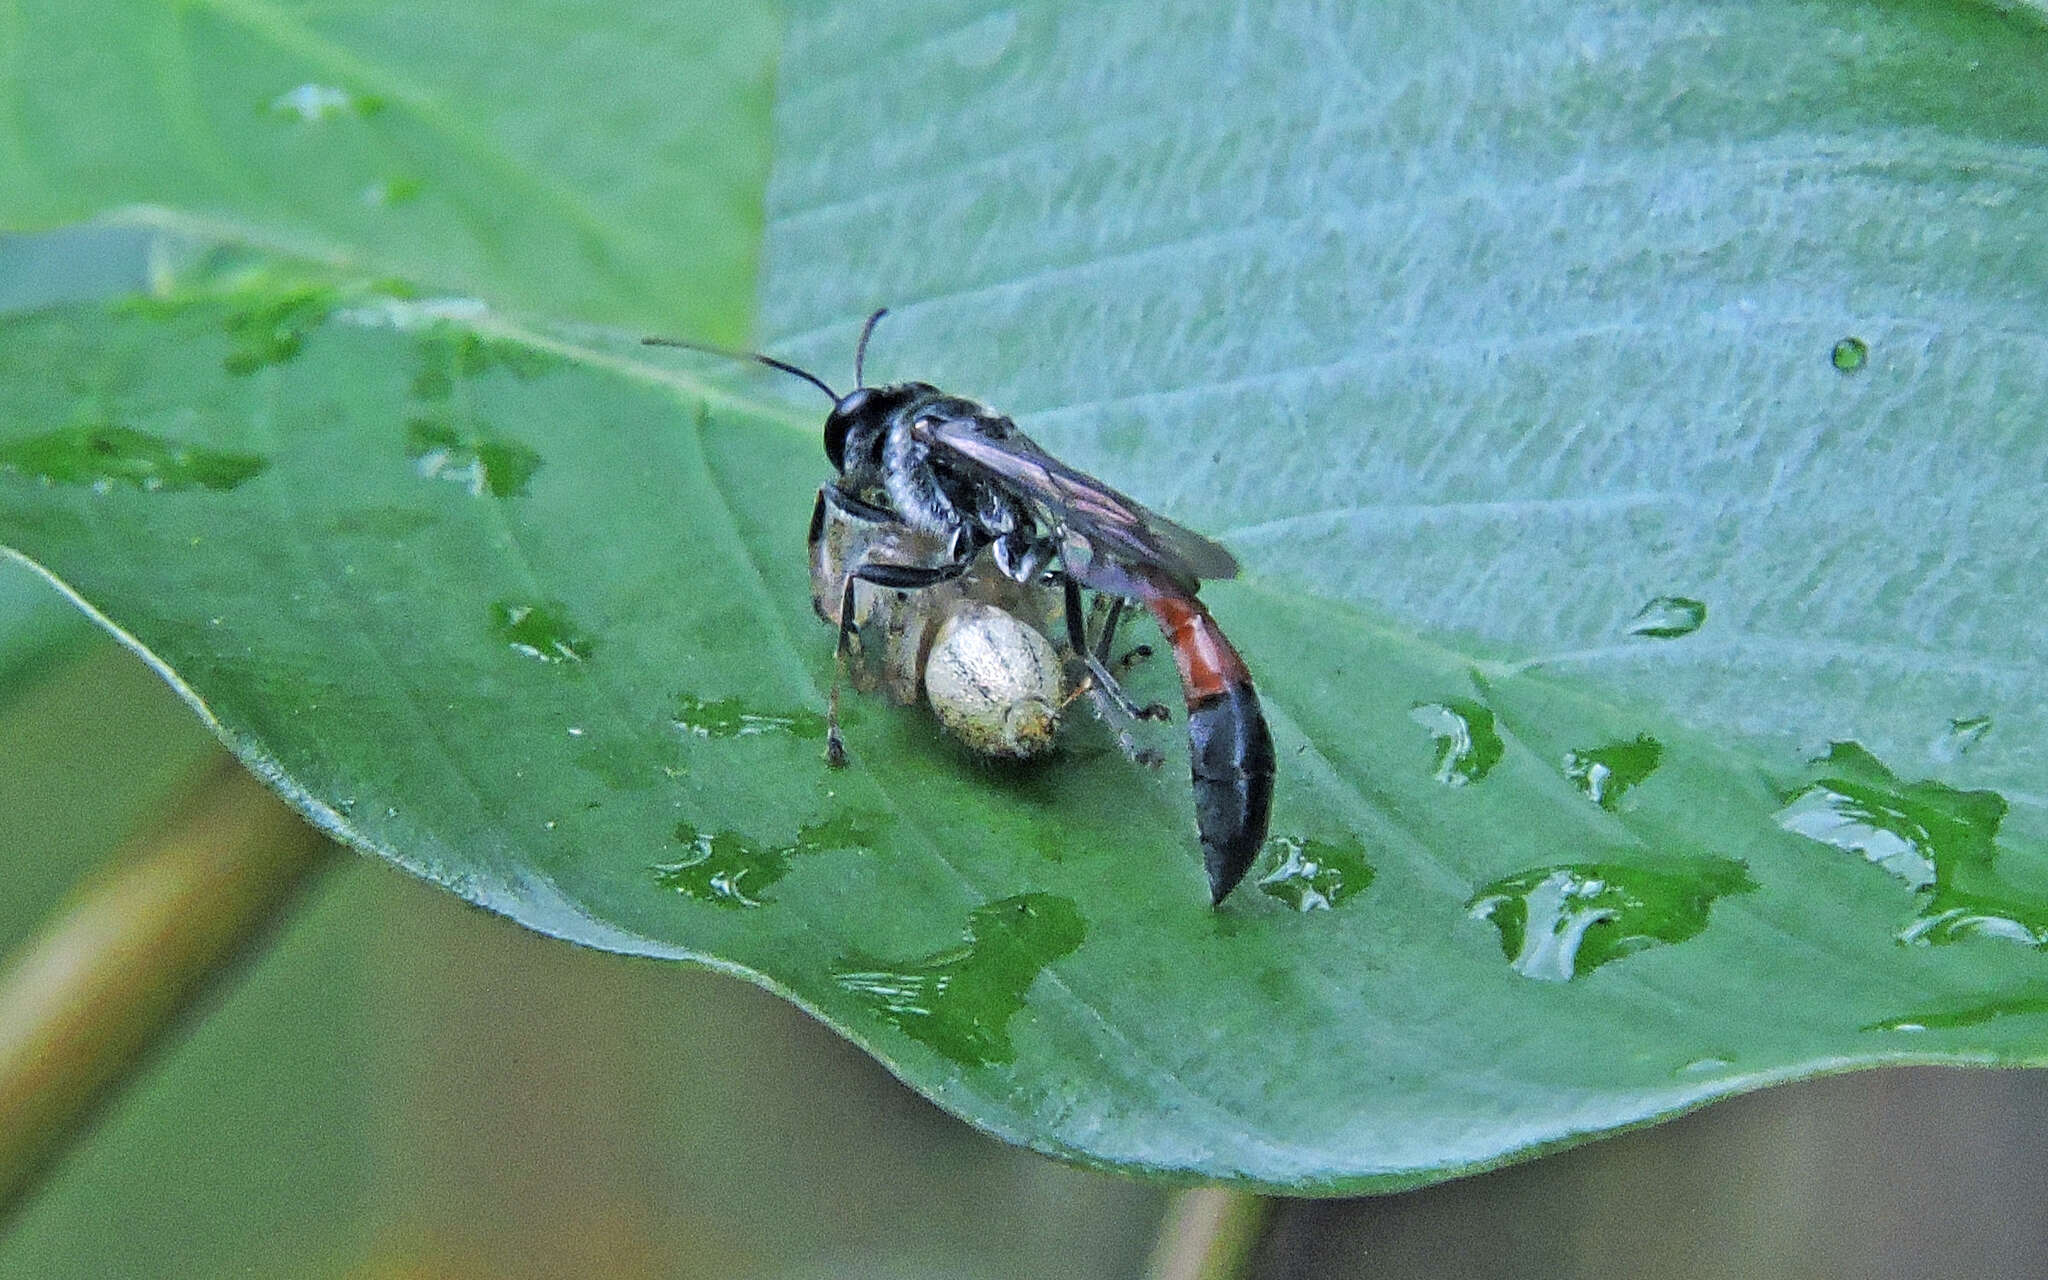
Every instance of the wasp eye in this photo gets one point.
(835, 441)
(851, 407)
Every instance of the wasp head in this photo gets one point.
(863, 414)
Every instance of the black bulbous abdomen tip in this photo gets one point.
(1230, 848)
(1230, 754)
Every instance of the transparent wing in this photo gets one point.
(1115, 524)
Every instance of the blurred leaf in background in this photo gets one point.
(36, 625)
(599, 162)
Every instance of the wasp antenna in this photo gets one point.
(860, 353)
(770, 361)
(805, 374)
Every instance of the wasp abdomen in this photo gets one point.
(1230, 750)
(1231, 756)
(1208, 664)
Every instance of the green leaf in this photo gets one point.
(37, 627)
(602, 163)
(1500, 343)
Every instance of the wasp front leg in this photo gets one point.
(895, 577)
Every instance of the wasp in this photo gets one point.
(973, 647)
(958, 485)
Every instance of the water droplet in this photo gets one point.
(729, 870)
(431, 383)
(960, 1001)
(386, 193)
(2021, 1004)
(1880, 836)
(1668, 617)
(1467, 745)
(540, 630)
(445, 354)
(266, 312)
(1938, 840)
(1860, 806)
(1314, 875)
(320, 103)
(1562, 922)
(575, 731)
(1956, 740)
(271, 328)
(102, 456)
(730, 718)
(402, 309)
(1608, 772)
(1952, 914)
(1851, 354)
(448, 351)
(481, 463)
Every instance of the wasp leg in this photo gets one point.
(898, 577)
(1105, 643)
(1113, 716)
(1137, 754)
(1111, 704)
(1108, 636)
(1107, 640)
(1093, 658)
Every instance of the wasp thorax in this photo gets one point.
(994, 682)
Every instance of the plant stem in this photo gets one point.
(108, 974)
(1209, 1234)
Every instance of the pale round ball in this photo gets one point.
(994, 683)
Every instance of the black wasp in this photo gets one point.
(954, 470)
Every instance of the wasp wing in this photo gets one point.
(1115, 523)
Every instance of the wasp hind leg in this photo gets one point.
(1111, 703)
(1105, 642)
(897, 577)
(1096, 657)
